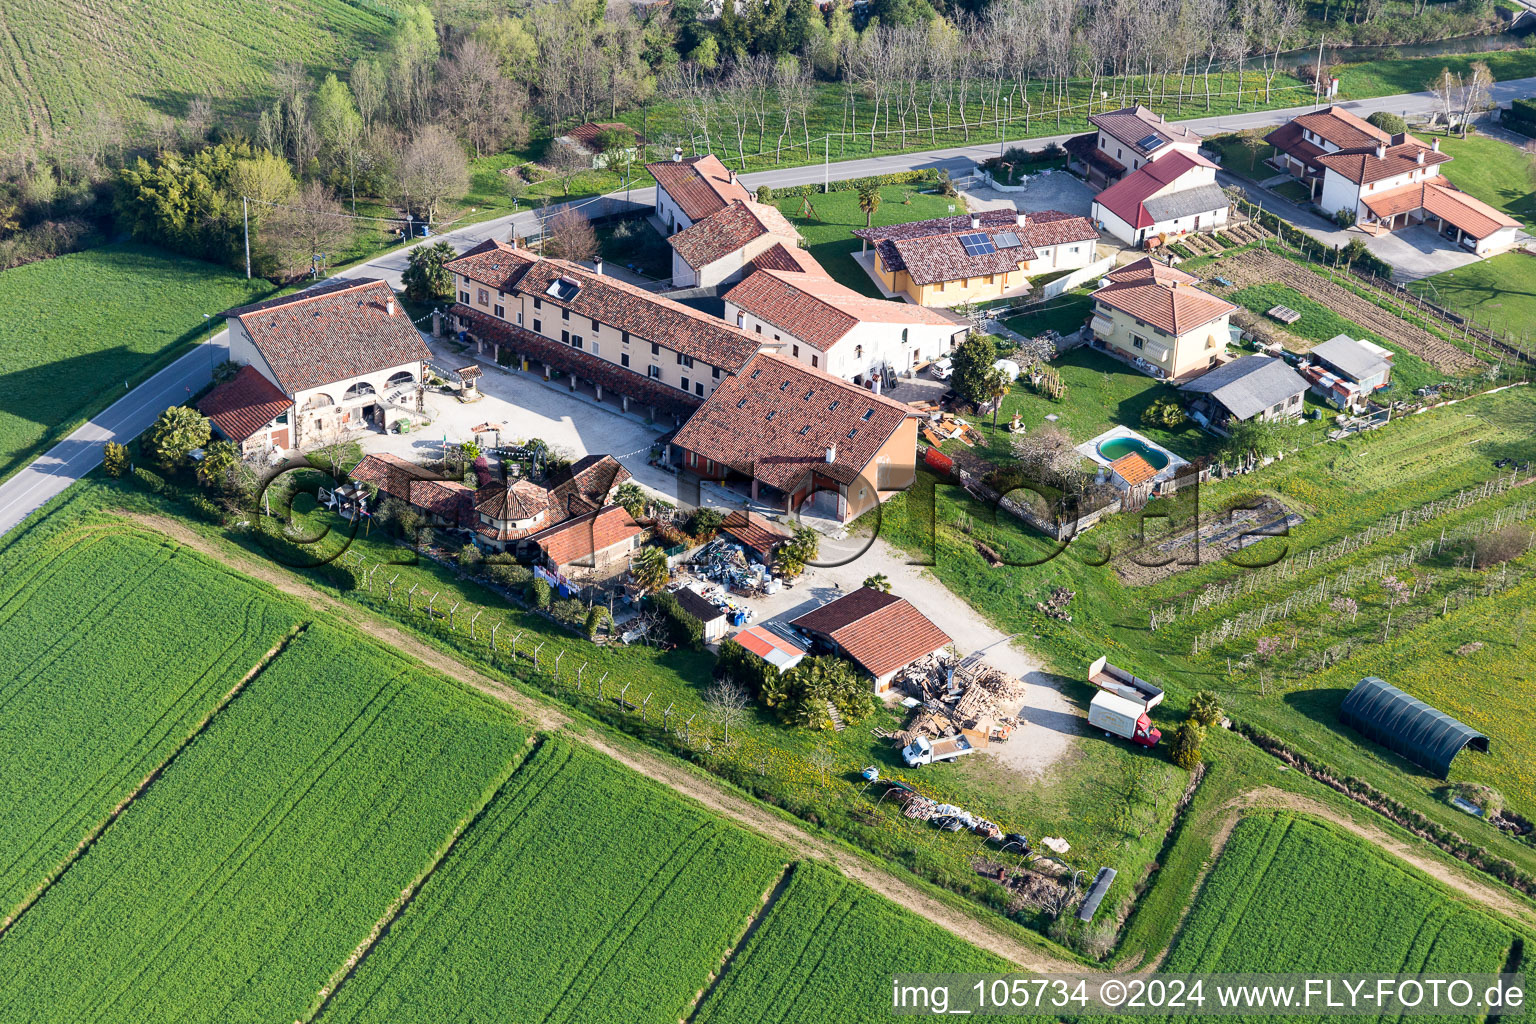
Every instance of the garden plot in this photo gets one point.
(1257, 267)
(585, 893)
(242, 878)
(116, 647)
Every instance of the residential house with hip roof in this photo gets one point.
(606, 334)
(1153, 315)
(1125, 141)
(316, 365)
(1386, 182)
(688, 190)
(720, 248)
(1249, 388)
(972, 258)
(831, 327)
(797, 437)
(1173, 195)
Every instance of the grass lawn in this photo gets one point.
(1295, 191)
(74, 329)
(1493, 171)
(1318, 323)
(1500, 291)
(1101, 392)
(1063, 314)
(1410, 74)
(1242, 158)
(832, 217)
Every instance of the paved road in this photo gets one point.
(80, 452)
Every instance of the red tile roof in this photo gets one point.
(756, 531)
(1343, 129)
(244, 404)
(582, 537)
(1086, 148)
(882, 632)
(729, 230)
(1175, 308)
(818, 310)
(781, 257)
(1148, 269)
(1440, 198)
(583, 364)
(586, 134)
(1133, 469)
(592, 478)
(447, 499)
(312, 340)
(494, 263)
(930, 250)
(699, 186)
(763, 642)
(1125, 197)
(777, 418)
(521, 499)
(1288, 139)
(1364, 166)
(1129, 125)
(391, 474)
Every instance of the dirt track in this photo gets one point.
(722, 800)
(1259, 267)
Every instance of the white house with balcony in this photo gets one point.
(340, 357)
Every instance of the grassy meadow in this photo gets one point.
(826, 220)
(74, 330)
(1498, 292)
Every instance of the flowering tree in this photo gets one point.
(1346, 606)
(1397, 590)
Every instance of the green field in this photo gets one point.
(236, 884)
(619, 898)
(827, 951)
(1494, 171)
(1063, 314)
(98, 684)
(1291, 895)
(1318, 323)
(156, 55)
(74, 329)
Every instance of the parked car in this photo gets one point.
(942, 368)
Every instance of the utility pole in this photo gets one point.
(826, 162)
(1317, 81)
(245, 215)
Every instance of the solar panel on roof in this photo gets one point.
(1151, 142)
(1007, 240)
(977, 244)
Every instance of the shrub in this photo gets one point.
(683, 629)
(150, 480)
(204, 509)
(569, 611)
(1388, 122)
(1501, 545)
(705, 522)
(114, 459)
(1166, 413)
(470, 557)
(1185, 751)
(737, 663)
(1205, 709)
(597, 615)
(800, 696)
(508, 574)
(178, 430)
(765, 194)
(539, 593)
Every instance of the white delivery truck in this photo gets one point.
(1121, 705)
(923, 751)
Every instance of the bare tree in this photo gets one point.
(307, 231)
(474, 96)
(1049, 452)
(565, 163)
(823, 758)
(432, 169)
(728, 702)
(368, 89)
(570, 237)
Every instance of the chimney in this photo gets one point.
(831, 453)
(1381, 151)
(677, 154)
(1023, 218)
(389, 306)
(975, 222)
(597, 265)
(733, 177)
(1421, 156)
(1434, 145)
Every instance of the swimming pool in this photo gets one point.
(1119, 447)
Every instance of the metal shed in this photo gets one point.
(1407, 726)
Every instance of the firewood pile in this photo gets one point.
(975, 701)
(1056, 605)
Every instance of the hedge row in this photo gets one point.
(1521, 117)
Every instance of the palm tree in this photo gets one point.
(219, 457)
(879, 581)
(1205, 708)
(869, 202)
(649, 569)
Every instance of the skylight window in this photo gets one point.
(562, 288)
(869, 412)
(771, 414)
(977, 244)
(855, 430)
(834, 405)
(741, 403)
(805, 430)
